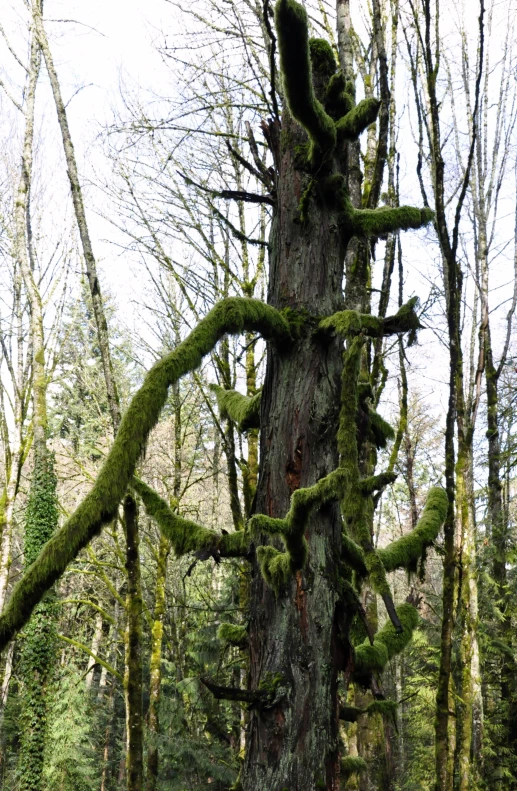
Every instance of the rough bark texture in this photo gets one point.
(133, 674)
(294, 641)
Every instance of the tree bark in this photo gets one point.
(294, 641)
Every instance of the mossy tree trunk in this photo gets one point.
(133, 641)
(294, 636)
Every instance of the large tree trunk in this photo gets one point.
(294, 643)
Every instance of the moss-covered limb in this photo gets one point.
(350, 713)
(384, 220)
(380, 430)
(232, 634)
(350, 126)
(349, 323)
(352, 764)
(233, 315)
(243, 410)
(185, 535)
(277, 567)
(96, 658)
(339, 96)
(353, 555)
(252, 697)
(406, 551)
(375, 482)
(387, 644)
(293, 44)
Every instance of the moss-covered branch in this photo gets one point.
(406, 551)
(350, 126)
(350, 323)
(233, 634)
(295, 63)
(187, 536)
(234, 315)
(386, 219)
(277, 567)
(387, 644)
(243, 410)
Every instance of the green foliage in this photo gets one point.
(293, 44)
(71, 763)
(39, 645)
(243, 410)
(233, 315)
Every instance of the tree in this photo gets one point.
(310, 532)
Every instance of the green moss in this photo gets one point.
(338, 100)
(352, 764)
(322, 58)
(354, 555)
(387, 644)
(293, 44)
(351, 125)
(187, 536)
(277, 567)
(380, 430)
(406, 551)
(230, 316)
(384, 220)
(350, 323)
(242, 410)
(231, 634)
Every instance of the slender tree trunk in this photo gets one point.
(133, 673)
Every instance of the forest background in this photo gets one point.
(153, 97)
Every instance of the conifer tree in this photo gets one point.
(309, 539)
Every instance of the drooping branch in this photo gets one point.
(293, 44)
(252, 697)
(243, 410)
(233, 315)
(187, 536)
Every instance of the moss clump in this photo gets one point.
(231, 634)
(322, 58)
(351, 125)
(187, 536)
(243, 410)
(406, 551)
(293, 44)
(380, 430)
(350, 323)
(339, 96)
(352, 764)
(387, 643)
(230, 316)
